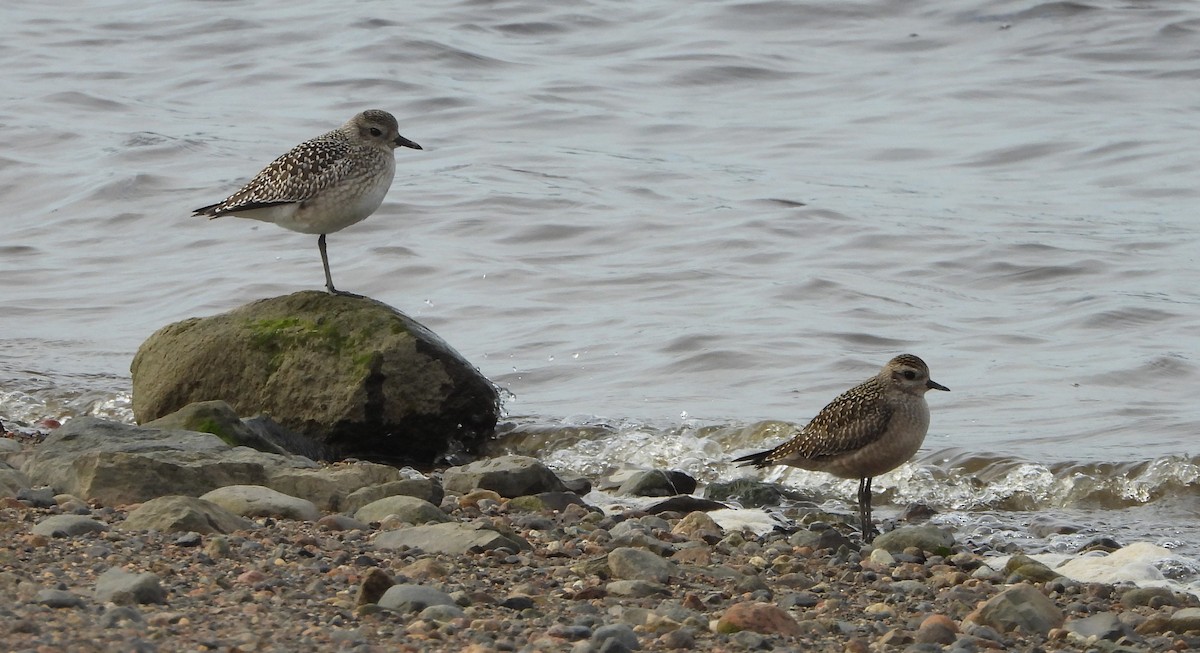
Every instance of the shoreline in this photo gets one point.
(588, 581)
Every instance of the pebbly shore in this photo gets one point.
(458, 568)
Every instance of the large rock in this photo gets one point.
(1019, 606)
(508, 476)
(351, 372)
(174, 514)
(116, 463)
(330, 487)
(219, 418)
(259, 501)
(409, 509)
(451, 538)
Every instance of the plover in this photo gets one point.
(870, 429)
(325, 184)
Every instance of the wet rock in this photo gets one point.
(413, 598)
(1105, 625)
(68, 526)
(926, 538)
(389, 388)
(410, 510)
(764, 618)
(174, 514)
(1023, 568)
(685, 503)
(125, 588)
(260, 501)
(751, 493)
(451, 538)
(421, 488)
(639, 564)
(580, 485)
(508, 476)
(1043, 526)
(657, 483)
(1020, 606)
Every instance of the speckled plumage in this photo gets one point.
(324, 184)
(866, 431)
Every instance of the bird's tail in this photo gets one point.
(756, 459)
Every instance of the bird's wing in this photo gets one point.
(298, 175)
(852, 421)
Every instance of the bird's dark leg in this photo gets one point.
(325, 262)
(864, 508)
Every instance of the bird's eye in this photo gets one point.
(910, 375)
(375, 131)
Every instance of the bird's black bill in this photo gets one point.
(934, 385)
(404, 142)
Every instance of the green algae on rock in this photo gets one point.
(350, 372)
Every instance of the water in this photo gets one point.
(657, 224)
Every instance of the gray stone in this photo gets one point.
(1148, 596)
(68, 526)
(639, 564)
(126, 588)
(341, 523)
(421, 488)
(330, 487)
(217, 418)
(118, 464)
(620, 633)
(1023, 568)
(1020, 606)
(926, 538)
(1184, 620)
(441, 613)
(260, 501)
(389, 388)
(635, 588)
(413, 598)
(451, 538)
(178, 514)
(11, 480)
(508, 476)
(121, 615)
(1105, 625)
(409, 509)
(59, 599)
(42, 497)
(657, 483)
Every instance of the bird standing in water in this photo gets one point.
(870, 429)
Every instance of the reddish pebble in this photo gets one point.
(251, 577)
(764, 618)
(937, 629)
